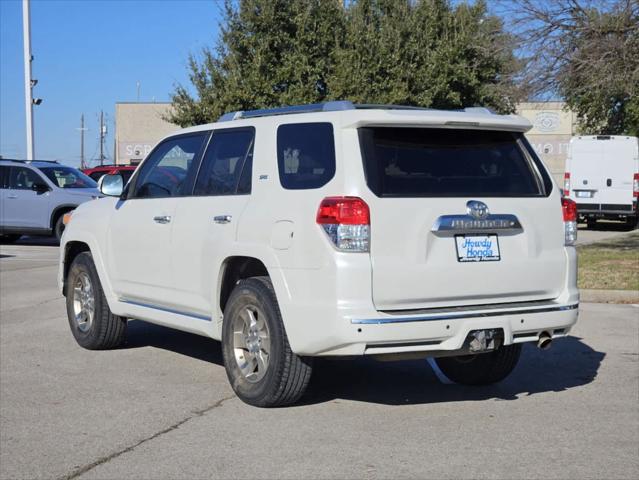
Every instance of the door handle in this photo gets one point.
(12, 196)
(609, 182)
(222, 219)
(162, 219)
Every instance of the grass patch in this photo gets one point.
(610, 264)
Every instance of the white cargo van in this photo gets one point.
(602, 176)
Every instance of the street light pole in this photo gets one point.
(28, 84)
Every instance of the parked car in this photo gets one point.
(34, 196)
(97, 172)
(332, 230)
(602, 175)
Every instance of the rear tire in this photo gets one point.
(482, 368)
(9, 238)
(591, 223)
(260, 365)
(92, 324)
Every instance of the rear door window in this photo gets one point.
(22, 178)
(226, 166)
(305, 155)
(431, 162)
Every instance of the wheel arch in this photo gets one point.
(71, 250)
(233, 269)
(59, 211)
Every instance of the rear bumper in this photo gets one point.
(335, 316)
(446, 330)
(605, 210)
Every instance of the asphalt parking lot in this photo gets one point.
(162, 408)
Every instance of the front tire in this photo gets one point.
(92, 324)
(58, 229)
(482, 368)
(260, 365)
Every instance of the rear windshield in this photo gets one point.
(437, 162)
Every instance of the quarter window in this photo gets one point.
(227, 163)
(305, 155)
(164, 173)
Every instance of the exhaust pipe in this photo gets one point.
(545, 341)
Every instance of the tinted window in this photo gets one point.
(126, 175)
(4, 176)
(305, 155)
(164, 173)
(97, 175)
(21, 178)
(67, 177)
(428, 162)
(228, 159)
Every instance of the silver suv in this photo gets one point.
(35, 195)
(332, 230)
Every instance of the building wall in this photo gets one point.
(552, 130)
(138, 127)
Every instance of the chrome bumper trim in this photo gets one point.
(458, 316)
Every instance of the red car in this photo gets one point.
(96, 172)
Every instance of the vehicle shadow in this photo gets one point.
(144, 334)
(568, 364)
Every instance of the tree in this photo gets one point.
(270, 53)
(587, 52)
(413, 52)
(425, 53)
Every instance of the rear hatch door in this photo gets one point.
(427, 248)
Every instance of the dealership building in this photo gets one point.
(139, 126)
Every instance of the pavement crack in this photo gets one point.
(196, 413)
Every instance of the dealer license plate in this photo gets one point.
(477, 248)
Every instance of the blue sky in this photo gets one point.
(88, 55)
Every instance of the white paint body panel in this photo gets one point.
(322, 292)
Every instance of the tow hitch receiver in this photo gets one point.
(479, 341)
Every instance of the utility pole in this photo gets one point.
(28, 83)
(102, 135)
(82, 130)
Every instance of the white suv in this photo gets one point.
(332, 230)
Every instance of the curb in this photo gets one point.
(609, 296)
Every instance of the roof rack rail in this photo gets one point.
(333, 106)
(480, 110)
(28, 161)
(265, 112)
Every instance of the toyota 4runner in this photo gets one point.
(332, 230)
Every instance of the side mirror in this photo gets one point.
(40, 187)
(111, 185)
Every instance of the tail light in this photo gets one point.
(346, 221)
(635, 185)
(566, 184)
(570, 220)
